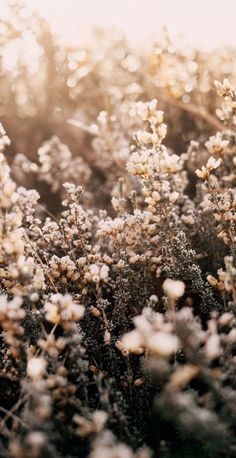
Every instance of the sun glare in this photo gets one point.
(200, 22)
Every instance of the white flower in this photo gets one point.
(11, 310)
(225, 89)
(143, 137)
(102, 118)
(173, 288)
(132, 341)
(169, 163)
(146, 110)
(212, 163)
(94, 269)
(216, 144)
(36, 368)
(139, 163)
(36, 439)
(161, 131)
(162, 344)
(62, 308)
(104, 272)
(99, 420)
(174, 196)
(212, 347)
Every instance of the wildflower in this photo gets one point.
(139, 163)
(217, 145)
(173, 288)
(4, 140)
(132, 342)
(212, 164)
(36, 440)
(174, 196)
(36, 367)
(224, 89)
(169, 163)
(212, 348)
(162, 344)
(131, 268)
(147, 111)
(143, 137)
(183, 375)
(61, 309)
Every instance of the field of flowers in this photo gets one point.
(117, 247)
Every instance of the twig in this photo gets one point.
(48, 212)
(11, 414)
(189, 107)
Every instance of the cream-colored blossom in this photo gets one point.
(36, 367)
(173, 288)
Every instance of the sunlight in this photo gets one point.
(117, 228)
(140, 18)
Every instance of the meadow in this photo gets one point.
(117, 246)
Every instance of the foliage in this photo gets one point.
(117, 250)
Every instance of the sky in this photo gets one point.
(205, 23)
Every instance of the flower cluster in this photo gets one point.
(227, 112)
(117, 249)
(151, 334)
(61, 309)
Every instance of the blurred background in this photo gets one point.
(205, 23)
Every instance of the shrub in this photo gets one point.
(117, 252)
